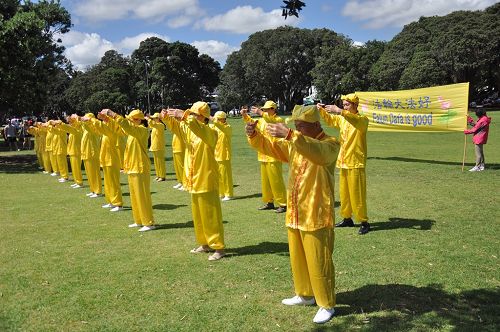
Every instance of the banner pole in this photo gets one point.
(465, 151)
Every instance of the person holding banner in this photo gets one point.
(480, 132)
(351, 161)
(311, 155)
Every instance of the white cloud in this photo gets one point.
(86, 49)
(216, 49)
(156, 10)
(381, 13)
(246, 19)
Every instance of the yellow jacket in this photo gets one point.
(39, 136)
(136, 158)
(223, 146)
(48, 139)
(200, 167)
(177, 144)
(261, 127)
(90, 142)
(311, 181)
(352, 132)
(108, 155)
(74, 138)
(59, 141)
(157, 135)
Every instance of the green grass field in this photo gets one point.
(431, 262)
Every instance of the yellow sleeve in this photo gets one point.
(204, 132)
(358, 121)
(318, 152)
(174, 126)
(332, 120)
(69, 129)
(225, 128)
(278, 149)
(131, 130)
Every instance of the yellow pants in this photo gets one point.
(273, 187)
(178, 158)
(207, 219)
(159, 160)
(93, 174)
(140, 197)
(53, 162)
(46, 162)
(312, 266)
(225, 178)
(62, 165)
(352, 187)
(39, 157)
(76, 169)
(112, 187)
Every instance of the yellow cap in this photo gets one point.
(201, 108)
(269, 104)
(304, 113)
(352, 98)
(90, 115)
(220, 115)
(136, 114)
(155, 116)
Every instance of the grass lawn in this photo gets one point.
(431, 262)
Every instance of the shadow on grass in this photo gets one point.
(167, 206)
(259, 249)
(128, 194)
(188, 224)
(25, 163)
(396, 223)
(410, 308)
(427, 161)
(247, 196)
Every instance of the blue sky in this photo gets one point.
(218, 27)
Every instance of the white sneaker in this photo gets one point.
(54, 174)
(474, 169)
(147, 228)
(323, 315)
(481, 167)
(94, 195)
(116, 209)
(181, 188)
(45, 172)
(177, 186)
(225, 198)
(76, 186)
(62, 180)
(89, 194)
(134, 225)
(299, 300)
(107, 206)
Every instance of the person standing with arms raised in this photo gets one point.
(352, 159)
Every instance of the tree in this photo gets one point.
(29, 55)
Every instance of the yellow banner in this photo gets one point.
(440, 108)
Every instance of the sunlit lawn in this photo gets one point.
(430, 262)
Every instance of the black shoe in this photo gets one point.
(281, 209)
(268, 206)
(347, 222)
(365, 228)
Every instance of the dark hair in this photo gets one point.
(480, 112)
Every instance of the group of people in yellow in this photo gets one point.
(202, 162)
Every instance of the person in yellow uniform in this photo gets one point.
(158, 145)
(137, 166)
(109, 160)
(48, 149)
(352, 159)
(39, 136)
(90, 156)
(271, 170)
(74, 129)
(178, 152)
(201, 171)
(121, 143)
(223, 155)
(310, 216)
(60, 149)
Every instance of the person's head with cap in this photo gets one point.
(136, 116)
(350, 102)
(201, 110)
(155, 116)
(306, 120)
(270, 107)
(220, 116)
